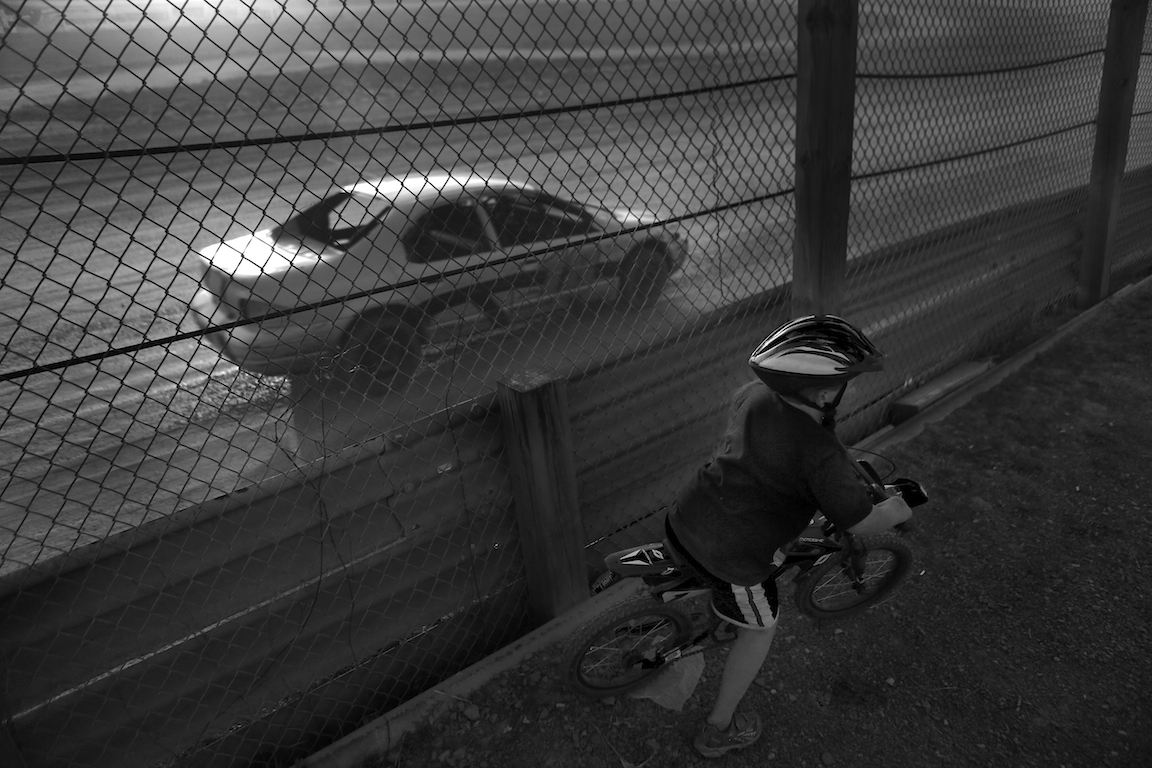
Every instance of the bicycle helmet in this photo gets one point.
(814, 351)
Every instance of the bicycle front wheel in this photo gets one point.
(625, 647)
(829, 591)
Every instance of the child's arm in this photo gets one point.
(884, 516)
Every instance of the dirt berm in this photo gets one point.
(1021, 639)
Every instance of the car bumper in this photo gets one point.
(294, 344)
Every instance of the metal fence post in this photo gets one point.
(825, 104)
(534, 412)
(1126, 21)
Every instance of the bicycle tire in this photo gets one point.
(606, 658)
(827, 591)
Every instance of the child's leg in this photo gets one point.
(745, 659)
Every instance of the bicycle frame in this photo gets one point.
(670, 579)
(666, 575)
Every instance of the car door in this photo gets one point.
(546, 238)
(450, 250)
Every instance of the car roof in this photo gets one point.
(421, 186)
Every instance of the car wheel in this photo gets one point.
(383, 351)
(643, 273)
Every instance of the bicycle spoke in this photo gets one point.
(840, 584)
(625, 648)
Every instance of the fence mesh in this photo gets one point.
(263, 265)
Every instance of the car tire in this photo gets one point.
(383, 349)
(643, 274)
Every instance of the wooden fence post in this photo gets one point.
(825, 106)
(534, 411)
(9, 753)
(10, 756)
(1126, 21)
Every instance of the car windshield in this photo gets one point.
(338, 220)
(569, 207)
(602, 216)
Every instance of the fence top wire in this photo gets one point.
(978, 152)
(523, 114)
(980, 72)
(447, 122)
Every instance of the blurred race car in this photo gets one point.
(358, 276)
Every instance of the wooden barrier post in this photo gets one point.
(534, 411)
(825, 106)
(1113, 122)
(10, 756)
(9, 753)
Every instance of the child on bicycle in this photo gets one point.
(778, 462)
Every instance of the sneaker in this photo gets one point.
(742, 732)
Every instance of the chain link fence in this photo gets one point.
(263, 265)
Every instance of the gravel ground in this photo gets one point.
(1022, 638)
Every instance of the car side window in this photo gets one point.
(520, 221)
(446, 232)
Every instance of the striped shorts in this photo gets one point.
(754, 607)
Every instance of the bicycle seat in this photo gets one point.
(654, 558)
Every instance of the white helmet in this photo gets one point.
(814, 351)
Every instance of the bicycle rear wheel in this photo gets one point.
(625, 647)
(829, 590)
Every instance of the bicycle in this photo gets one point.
(837, 575)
